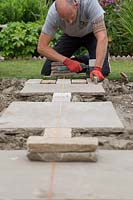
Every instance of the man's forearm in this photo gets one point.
(100, 32)
(51, 54)
(101, 50)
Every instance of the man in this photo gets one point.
(83, 24)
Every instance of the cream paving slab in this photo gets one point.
(62, 87)
(63, 81)
(100, 116)
(111, 178)
(79, 81)
(57, 132)
(59, 97)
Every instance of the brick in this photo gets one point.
(58, 132)
(48, 145)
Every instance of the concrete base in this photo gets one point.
(109, 179)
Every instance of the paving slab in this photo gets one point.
(79, 81)
(111, 178)
(63, 81)
(92, 62)
(42, 144)
(94, 116)
(59, 97)
(64, 87)
(130, 84)
(58, 132)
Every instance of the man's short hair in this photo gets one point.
(70, 1)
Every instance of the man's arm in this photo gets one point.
(101, 48)
(99, 30)
(45, 50)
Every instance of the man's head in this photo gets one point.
(67, 10)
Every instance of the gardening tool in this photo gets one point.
(124, 77)
(95, 79)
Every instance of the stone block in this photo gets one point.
(48, 145)
(63, 157)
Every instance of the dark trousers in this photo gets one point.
(67, 45)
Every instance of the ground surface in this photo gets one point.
(119, 93)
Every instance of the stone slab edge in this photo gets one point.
(63, 157)
(48, 145)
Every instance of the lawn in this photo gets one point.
(31, 69)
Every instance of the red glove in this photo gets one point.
(97, 71)
(72, 65)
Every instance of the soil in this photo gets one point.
(119, 93)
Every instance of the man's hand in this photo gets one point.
(97, 71)
(72, 65)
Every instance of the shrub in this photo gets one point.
(119, 24)
(125, 25)
(10, 10)
(19, 39)
(23, 10)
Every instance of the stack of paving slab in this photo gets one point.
(58, 145)
(59, 118)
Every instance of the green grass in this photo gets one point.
(32, 68)
(21, 69)
(121, 66)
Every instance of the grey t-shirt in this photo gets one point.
(88, 12)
